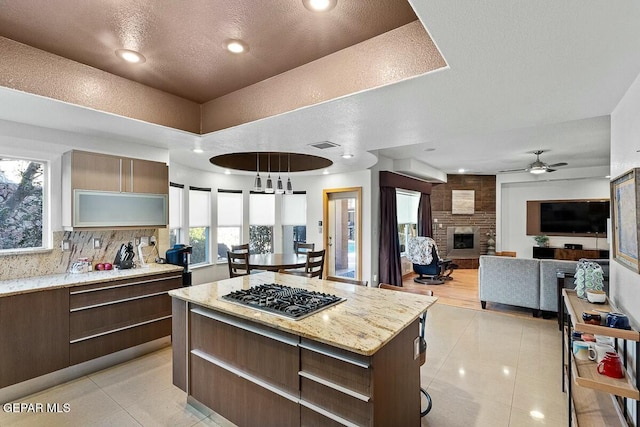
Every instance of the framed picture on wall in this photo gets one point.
(462, 202)
(625, 204)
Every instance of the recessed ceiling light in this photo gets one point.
(131, 56)
(319, 5)
(236, 46)
(461, 170)
(198, 150)
(347, 156)
(325, 172)
(227, 172)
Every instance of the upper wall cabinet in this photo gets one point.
(100, 176)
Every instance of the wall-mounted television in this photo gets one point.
(569, 217)
(574, 217)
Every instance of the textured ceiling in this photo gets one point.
(183, 41)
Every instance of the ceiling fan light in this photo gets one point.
(537, 170)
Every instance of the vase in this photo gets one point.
(588, 275)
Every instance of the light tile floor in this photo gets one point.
(483, 369)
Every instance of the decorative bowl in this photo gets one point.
(596, 296)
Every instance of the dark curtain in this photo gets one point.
(424, 216)
(389, 258)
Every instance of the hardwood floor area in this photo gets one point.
(462, 291)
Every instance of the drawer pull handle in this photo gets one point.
(102, 304)
(334, 386)
(230, 321)
(327, 414)
(334, 355)
(121, 285)
(244, 375)
(119, 329)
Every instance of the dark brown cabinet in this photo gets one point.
(569, 254)
(34, 335)
(112, 316)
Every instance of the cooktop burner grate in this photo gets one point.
(292, 303)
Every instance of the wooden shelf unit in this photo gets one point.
(595, 399)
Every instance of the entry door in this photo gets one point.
(342, 232)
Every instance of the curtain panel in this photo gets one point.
(389, 256)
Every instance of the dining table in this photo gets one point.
(277, 261)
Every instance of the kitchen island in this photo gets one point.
(355, 363)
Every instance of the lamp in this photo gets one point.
(257, 184)
(269, 187)
(279, 187)
(289, 189)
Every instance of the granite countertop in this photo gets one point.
(363, 324)
(41, 283)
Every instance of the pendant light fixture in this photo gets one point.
(279, 186)
(289, 189)
(257, 184)
(269, 187)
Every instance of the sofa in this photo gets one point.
(523, 282)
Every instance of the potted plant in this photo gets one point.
(542, 240)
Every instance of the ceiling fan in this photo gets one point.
(538, 166)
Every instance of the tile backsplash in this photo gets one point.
(57, 261)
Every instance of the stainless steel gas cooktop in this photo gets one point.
(292, 303)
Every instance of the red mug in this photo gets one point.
(611, 365)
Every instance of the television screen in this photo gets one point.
(574, 217)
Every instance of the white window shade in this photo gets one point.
(262, 209)
(407, 207)
(294, 209)
(175, 207)
(199, 208)
(229, 209)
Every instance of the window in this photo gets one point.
(262, 213)
(22, 204)
(294, 220)
(407, 204)
(199, 224)
(229, 221)
(175, 213)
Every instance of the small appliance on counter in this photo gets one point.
(180, 255)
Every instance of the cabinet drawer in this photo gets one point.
(106, 318)
(340, 372)
(81, 297)
(109, 343)
(336, 402)
(240, 401)
(248, 347)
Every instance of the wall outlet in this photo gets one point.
(65, 245)
(152, 240)
(144, 240)
(97, 243)
(375, 277)
(136, 241)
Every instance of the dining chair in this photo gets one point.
(238, 263)
(423, 342)
(244, 248)
(302, 248)
(315, 263)
(347, 280)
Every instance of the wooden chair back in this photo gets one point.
(315, 263)
(244, 248)
(238, 263)
(347, 280)
(302, 248)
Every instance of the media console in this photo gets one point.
(569, 254)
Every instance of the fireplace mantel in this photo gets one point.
(463, 242)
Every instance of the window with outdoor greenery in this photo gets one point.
(199, 224)
(22, 220)
(262, 214)
(229, 221)
(175, 213)
(294, 220)
(407, 214)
